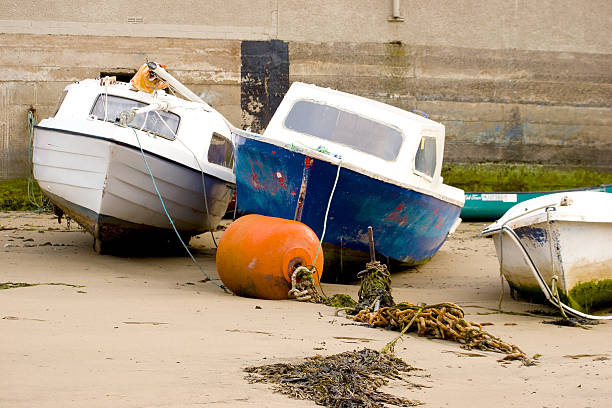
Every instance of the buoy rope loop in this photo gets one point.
(302, 285)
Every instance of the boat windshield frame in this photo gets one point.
(321, 104)
(170, 137)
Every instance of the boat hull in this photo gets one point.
(581, 259)
(409, 226)
(491, 206)
(105, 186)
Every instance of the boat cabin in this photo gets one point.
(178, 129)
(368, 136)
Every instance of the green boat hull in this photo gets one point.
(491, 206)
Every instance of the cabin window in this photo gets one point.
(425, 159)
(161, 123)
(221, 151)
(350, 129)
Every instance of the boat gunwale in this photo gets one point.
(128, 145)
(334, 160)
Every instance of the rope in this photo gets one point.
(391, 345)
(553, 284)
(201, 173)
(144, 158)
(441, 321)
(331, 196)
(304, 289)
(39, 203)
(501, 272)
(324, 150)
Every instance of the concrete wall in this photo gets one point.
(497, 105)
(512, 80)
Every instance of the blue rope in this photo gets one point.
(39, 204)
(221, 286)
(420, 112)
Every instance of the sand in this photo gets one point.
(145, 332)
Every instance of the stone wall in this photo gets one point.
(512, 81)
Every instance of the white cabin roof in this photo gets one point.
(399, 170)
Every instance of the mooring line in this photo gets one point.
(221, 286)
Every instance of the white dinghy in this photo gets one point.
(122, 162)
(559, 246)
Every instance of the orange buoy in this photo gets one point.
(257, 255)
(146, 81)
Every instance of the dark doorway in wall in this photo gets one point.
(122, 76)
(264, 80)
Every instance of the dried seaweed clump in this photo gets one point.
(349, 379)
(13, 285)
(340, 300)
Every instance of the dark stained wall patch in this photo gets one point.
(264, 80)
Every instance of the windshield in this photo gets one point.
(347, 128)
(109, 108)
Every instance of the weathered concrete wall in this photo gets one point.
(512, 80)
(543, 25)
(497, 105)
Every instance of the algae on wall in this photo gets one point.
(491, 177)
(15, 196)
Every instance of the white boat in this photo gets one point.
(92, 165)
(560, 241)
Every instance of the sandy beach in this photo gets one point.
(146, 332)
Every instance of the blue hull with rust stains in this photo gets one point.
(409, 227)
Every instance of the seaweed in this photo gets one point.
(340, 300)
(349, 379)
(13, 285)
(489, 177)
(22, 195)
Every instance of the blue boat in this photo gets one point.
(340, 163)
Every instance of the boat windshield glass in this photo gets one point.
(221, 151)
(425, 159)
(109, 108)
(350, 129)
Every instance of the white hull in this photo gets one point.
(581, 253)
(101, 182)
(581, 239)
